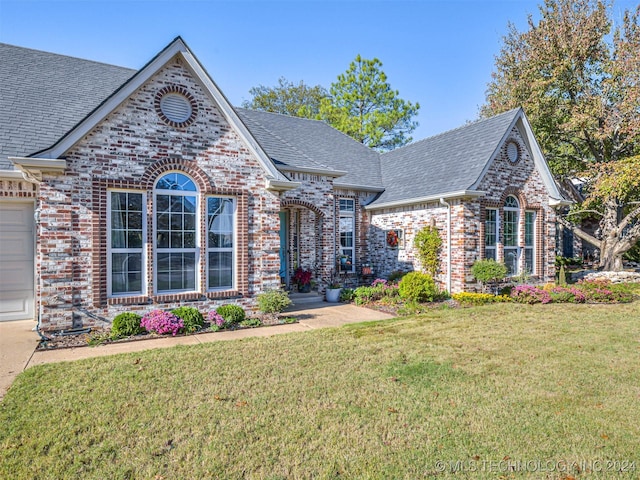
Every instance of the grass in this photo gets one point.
(483, 390)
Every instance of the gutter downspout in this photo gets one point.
(448, 205)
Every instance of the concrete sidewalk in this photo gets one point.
(18, 341)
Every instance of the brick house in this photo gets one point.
(124, 190)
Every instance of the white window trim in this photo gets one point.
(533, 247)
(142, 250)
(196, 250)
(352, 215)
(515, 247)
(493, 247)
(233, 249)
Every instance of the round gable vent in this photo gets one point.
(175, 106)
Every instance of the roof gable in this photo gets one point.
(449, 162)
(300, 144)
(176, 48)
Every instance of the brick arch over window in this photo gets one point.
(168, 165)
(302, 203)
(513, 192)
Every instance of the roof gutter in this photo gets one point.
(430, 198)
(559, 202)
(313, 171)
(274, 185)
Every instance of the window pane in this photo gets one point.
(511, 202)
(490, 225)
(529, 218)
(189, 222)
(126, 273)
(490, 254)
(134, 239)
(511, 261)
(528, 260)
(176, 181)
(220, 269)
(176, 271)
(510, 228)
(176, 203)
(347, 205)
(162, 203)
(346, 239)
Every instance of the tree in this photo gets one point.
(580, 87)
(363, 105)
(287, 98)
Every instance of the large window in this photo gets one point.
(220, 242)
(347, 234)
(529, 242)
(510, 233)
(490, 233)
(176, 239)
(126, 234)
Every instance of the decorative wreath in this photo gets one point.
(392, 238)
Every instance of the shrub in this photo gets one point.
(567, 295)
(417, 287)
(427, 243)
(362, 295)
(191, 317)
(603, 291)
(396, 276)
(469, 298)
(346, 295)
(487, 271)
(273, 301)
(126, 324)
(530, 294)
(216, 321)
(161, 322)
(232, 314)
(251, 323)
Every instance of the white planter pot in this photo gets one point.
(333, 295)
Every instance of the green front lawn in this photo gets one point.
(503, 390)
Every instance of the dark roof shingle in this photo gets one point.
(449, 162)
(55, 93)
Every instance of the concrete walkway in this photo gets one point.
(18, 340)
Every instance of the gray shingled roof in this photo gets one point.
(449, 162)
(302, 143)
(43, 95)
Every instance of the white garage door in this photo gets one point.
(16, 261)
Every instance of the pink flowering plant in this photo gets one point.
(161, 323)
(567, 295)
(530, 294)
(216, 321)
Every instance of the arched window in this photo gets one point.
(176, 233)
(510, 234)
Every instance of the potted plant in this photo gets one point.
(302, 278)
(332, 293)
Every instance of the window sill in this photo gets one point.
(223, 294)
(135, 300)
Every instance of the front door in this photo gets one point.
(284, 269)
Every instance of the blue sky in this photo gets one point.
(438, 53)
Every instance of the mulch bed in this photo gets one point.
(69, 339)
